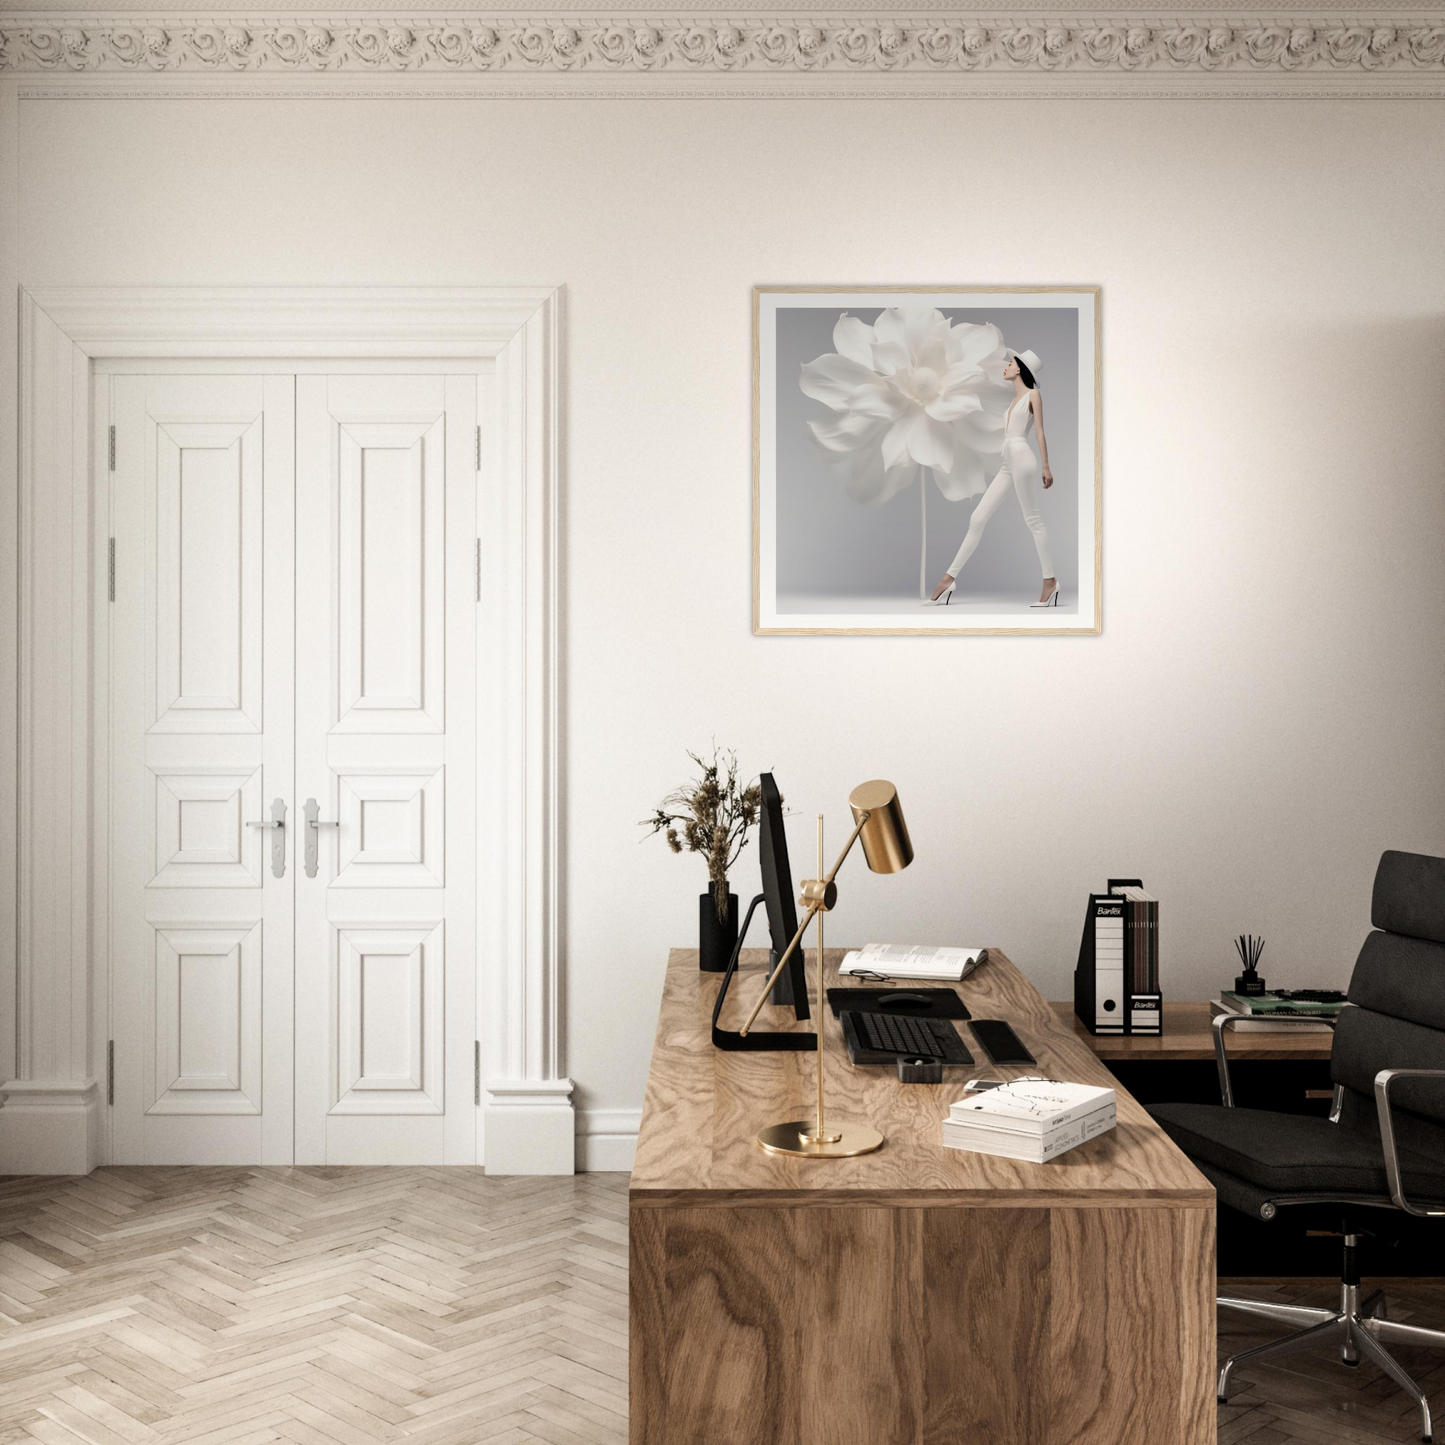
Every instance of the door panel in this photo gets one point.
(207, 1054)
(385, 674)
(392, 828)
(209, 562)
(390, 994)
(390, 574)
(197, 829)
(201, 744)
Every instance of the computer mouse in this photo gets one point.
(903, 999)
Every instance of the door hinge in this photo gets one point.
(110, 568)
(112, 448)
(110, 1072)
(477, 1072)
(479, 447)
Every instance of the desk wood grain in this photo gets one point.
(919, 1295)
(704, 1107)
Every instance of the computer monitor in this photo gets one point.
(791, 987)
(777, 898)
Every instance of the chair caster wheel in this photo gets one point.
(1353, 1364)
(1221, 1399)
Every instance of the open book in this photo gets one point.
(903, 960)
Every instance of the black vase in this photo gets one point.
(716, 941)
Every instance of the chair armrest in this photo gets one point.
(1383, 1080)
(1223, 1021)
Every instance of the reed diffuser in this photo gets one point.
(1249, 948)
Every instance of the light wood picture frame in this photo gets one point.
(888, 447)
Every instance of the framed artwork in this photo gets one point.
(926, 459)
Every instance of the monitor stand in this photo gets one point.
(782, 993)
(758, 1040)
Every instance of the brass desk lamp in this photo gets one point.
(878, 820)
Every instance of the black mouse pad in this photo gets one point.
(915, 1003)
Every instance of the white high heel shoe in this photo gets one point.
(1052, 600)
(942, 599)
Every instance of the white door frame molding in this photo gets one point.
(54, 983)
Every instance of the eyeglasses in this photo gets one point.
(873, 977)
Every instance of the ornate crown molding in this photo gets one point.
(928, 46)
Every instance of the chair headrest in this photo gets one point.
(1409, 895)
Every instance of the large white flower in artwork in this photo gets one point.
(912, 390)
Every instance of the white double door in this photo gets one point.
(292, 642)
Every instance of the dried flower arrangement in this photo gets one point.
(710, 816)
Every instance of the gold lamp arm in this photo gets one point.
(819, 904)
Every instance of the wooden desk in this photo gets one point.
(1188, 1036)
(919, 1295)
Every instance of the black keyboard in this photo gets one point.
(902, 1037)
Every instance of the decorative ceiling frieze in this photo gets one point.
(931, 45)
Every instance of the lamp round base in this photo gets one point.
(793, 1138)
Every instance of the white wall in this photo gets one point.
(1262, 714)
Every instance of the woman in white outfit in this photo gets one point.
(1020, 473)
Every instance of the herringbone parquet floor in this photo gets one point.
(318, 1306)
(429, 1307)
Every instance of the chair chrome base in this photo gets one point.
(1359, 1327)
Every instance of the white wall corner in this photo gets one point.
(531, 1127)
(49, 1126)
(607, 1139)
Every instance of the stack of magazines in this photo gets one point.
(1031, 1119)
(1272, 1012)
(1141, 937)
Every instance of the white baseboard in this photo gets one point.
(530, 1127)
(607, 1139)
(49, 1126)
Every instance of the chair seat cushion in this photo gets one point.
(1292, 1153)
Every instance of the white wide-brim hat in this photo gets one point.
(1030, 359)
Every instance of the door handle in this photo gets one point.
(314, 825)
(278, 841)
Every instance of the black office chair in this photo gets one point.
(1383, 1146)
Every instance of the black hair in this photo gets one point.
(1025, 374)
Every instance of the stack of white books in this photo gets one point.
(906, 960)
(1031, 1119)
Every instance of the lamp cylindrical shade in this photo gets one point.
(885, 840)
